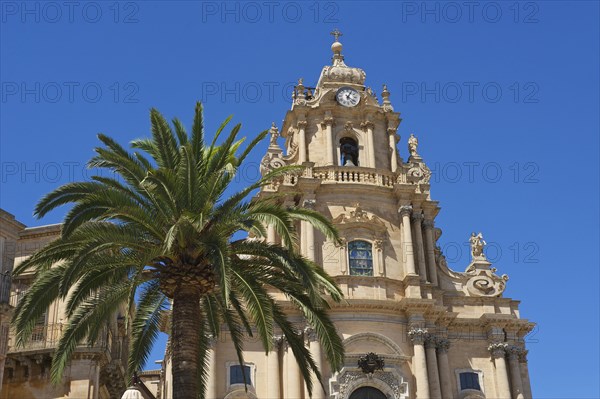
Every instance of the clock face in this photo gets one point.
(347, 96)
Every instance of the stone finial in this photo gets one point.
(336, 47)
(299, 90)
(385, 95)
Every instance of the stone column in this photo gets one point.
(525, 374)
(432, 367)
(309, 236)
(302, 141)
(515, 372)
(393, 154)
(273, 370)
(407, 246)
(419, 363)
(294, 387)
(430, 251)
(328, 123)
(316, 352)
(417, 219)
(444, 368)
(211, 383)
(498, 351)
(368, 127)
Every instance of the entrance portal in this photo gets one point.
(368, 393)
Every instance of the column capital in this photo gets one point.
(498, 349)
(277, 340)
(301, 124)
(405, 210)
(327, 121)
(428, 224)
(367, 125)
(309, 204)
(443, 345)
(513, 352)
(378, 244)
(417, 216)
(523, 355)
(430, 341)
(310, 334)
(417, 335)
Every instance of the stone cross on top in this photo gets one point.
(336, 34)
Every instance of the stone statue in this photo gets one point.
(477, 244)
(412, 145)
(274, 135)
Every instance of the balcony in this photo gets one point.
(46, 337)
(353, 175)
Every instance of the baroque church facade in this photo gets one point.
(412, 328)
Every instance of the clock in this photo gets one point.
(347, 96)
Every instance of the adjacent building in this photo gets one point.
(95, 372)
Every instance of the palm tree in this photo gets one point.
(162, 231)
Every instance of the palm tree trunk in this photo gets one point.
(184, 339)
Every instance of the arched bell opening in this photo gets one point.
(348, 152)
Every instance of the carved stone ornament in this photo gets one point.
(358, 215)
(270, 162)
(309, 204)
(417, 335)
(370, 363)
(483, 280)
(390, 383)
(418, 173)
(273, 159)
(498, 349)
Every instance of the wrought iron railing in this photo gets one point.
(47, 336)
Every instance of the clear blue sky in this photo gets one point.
(502, 95)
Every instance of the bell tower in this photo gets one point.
(403, 305)
(340, 122)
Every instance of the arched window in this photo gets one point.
(348, 152)
(360, 256)
(368, 393)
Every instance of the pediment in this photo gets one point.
(371, 342)
(369, 345)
